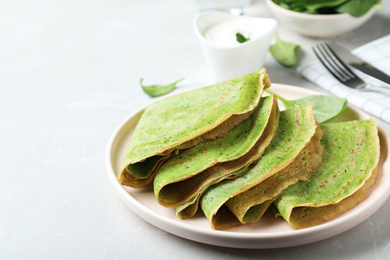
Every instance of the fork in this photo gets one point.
(341, 71)
(337, 67)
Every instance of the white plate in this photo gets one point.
(266, 233)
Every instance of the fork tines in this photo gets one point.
(336, 66)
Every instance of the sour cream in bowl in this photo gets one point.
(227, 57)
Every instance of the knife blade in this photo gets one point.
(358, 63)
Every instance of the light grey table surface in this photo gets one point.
(69, 74)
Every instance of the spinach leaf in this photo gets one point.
(241, 38)
(309, 6)
(353, 7)
(325, 108)
(357, 7)
(316, 4)
(285, 53)
(159, 90)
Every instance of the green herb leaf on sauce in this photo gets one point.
(159, 90)
(325, 108)
(286, 53)
(241, 38)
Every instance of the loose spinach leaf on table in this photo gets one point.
(285, 53)
(325, 108)
(159, 90)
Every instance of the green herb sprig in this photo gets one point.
(241, 38)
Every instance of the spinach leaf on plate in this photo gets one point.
(325, 108)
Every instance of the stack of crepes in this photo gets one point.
(228, 149)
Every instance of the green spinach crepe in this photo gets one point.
(183, 177)
(186, 119)
(348, 169)
(250, 205)
(231, 169)
(296, 128)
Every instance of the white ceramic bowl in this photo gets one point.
(316, 25)
(228, 62)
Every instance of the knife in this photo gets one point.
(358, 63)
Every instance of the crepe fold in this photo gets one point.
(349, 168)
(250, 205)
(297, 128)
(182, 179)
(186, 119)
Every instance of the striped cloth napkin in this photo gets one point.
(376, 52)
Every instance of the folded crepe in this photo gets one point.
(297, 126)
(250, 205)
(186, 119)
(183, 177)
(230, 170)
(349, 168)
